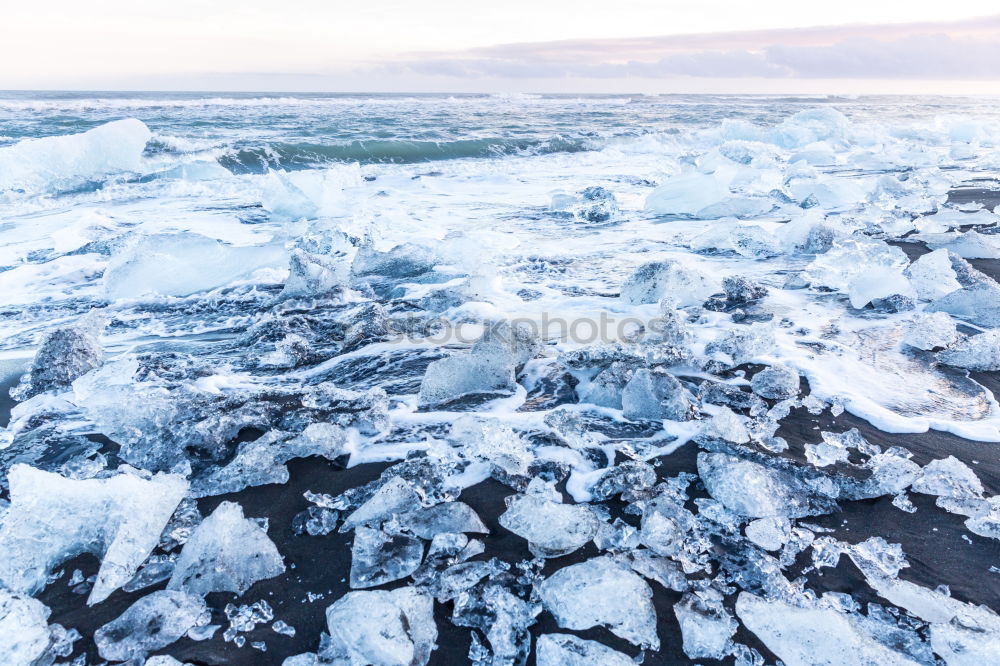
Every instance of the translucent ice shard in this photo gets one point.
(656, 394)
(977, 352)
(264, 459)
(769, 533)
(656, 279)
(52, 518)
(753, 490)
(381, 628)
(52, 163)
(687, 194)
(24, 629)
(552, 529)
(602, 592)
(706, 626)
(380, 557)
(809, 633)
(64, 355)
(932, 275)
(928, 330)
(448, 517)
(395, 496)
(776, 382)
(183, 263)
(502, 616)
(226, 553)
(568, 650)
(494, 442)
(593, 204)
(466, 375)
(150, 624)
(948, 477)
(402, 261)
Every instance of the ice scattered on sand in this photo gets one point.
(52, 518)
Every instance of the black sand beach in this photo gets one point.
(938, 547)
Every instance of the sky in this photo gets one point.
(766, 46)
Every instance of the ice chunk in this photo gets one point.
(379, 557)
(312, 274)
(707, 627)
(383, 628)
(932, 275)
(876, 284)
(150, 624)
(741, 289)
(979, 303)
(448, 517)
(467, 375)
(729, 426)
(928, 330)
(601, 592)
(503, 617)
(568, 650)
(24, 629)
(226, 553)
(855, 258)
(687, 194)
(968, 245)
(551, 528)
(184, 263)
(605, 389)
(656, 394)
(492, 441)
(810, 634)
(593, 204)
(978, 352)
(264, 459)
(753, 490)
(776, 382)
(516, 340)
(743, 343)
(395, 496)
(769, 533)
(747, 240)
(52, 518)
(64, 355)
(960, 645)
(402, 261)
(655, 280)
(948, 477)
(60, 162)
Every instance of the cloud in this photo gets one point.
(965, 50)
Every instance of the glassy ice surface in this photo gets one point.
(642, 364)
(225, 553)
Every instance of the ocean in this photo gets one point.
(723, 355)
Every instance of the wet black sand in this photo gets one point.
(939, 548)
